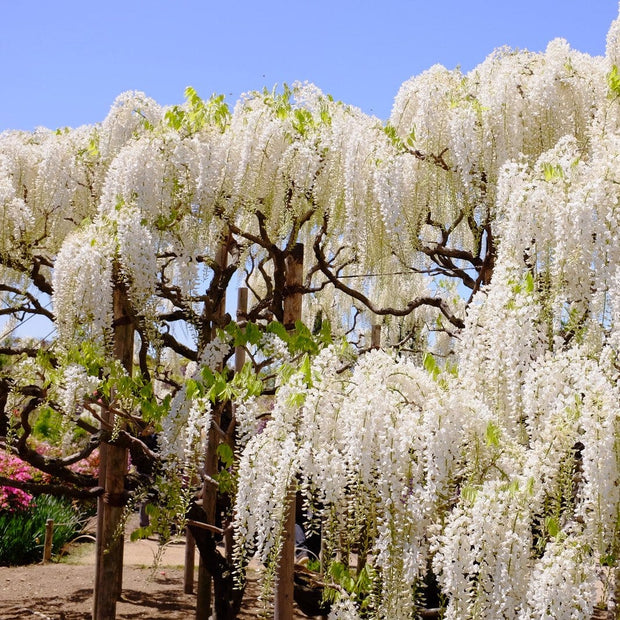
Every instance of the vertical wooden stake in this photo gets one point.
(284, 591)
(294, 279)
(190, 560)
(242, 308)
(49, 539)
(375, 337)
(209, 491)
(112, 471)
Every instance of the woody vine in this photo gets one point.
(478, 226)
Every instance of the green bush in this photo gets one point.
(22, 532)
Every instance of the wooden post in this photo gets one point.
(375, 337)
(242, 309)
(190, 560)
(294, 279)
(284, 590)
(617, 588)
(49, 539)
(209, 490)
(112, 471)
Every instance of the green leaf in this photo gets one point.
(207, 376)
(430, 365)
(247, 380)
(529, 282)
(286, 371)
(192, 389)
(613, 82)
(553, 172)
(226, 455)
(252, 333)
(493, 434)
(608, 560)
(390, 132)
(306, 369)
(278, 329)
(325, 334)
(140, 533)
(469, 494)
(552, 526)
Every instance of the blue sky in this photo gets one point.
(63, 62)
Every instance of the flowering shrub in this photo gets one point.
(12, 499)
(89, 465)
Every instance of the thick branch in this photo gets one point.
(30, 267)
(438, 160)
(39, 488)
(172, 343)
(29, 351)
(33, 307)
(436, 302)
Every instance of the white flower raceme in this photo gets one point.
(599, 498)
(181, 440)
(83, 273)
(137, 258)
(48, 186)
(247, 414)
(379, 447)
(388, 446)
(343, 609)
(551, 412)
(83, 284)
(494, 361)
(273, 346)
(184, 428)
(563, 583)
(130, 112)
(142, 175)
(266, 473)
(483, 556)
(213, 354)
(76, 385)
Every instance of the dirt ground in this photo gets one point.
(63, 588)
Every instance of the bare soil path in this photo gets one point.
(63, 588)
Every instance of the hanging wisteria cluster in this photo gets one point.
(439, 476)
(480, 222)
(499, 477)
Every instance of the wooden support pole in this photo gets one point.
(190, 561)
(242, 309)
(294, 280)
(617, 588)
(112, 471)
(284, 590)
(49, 539)
(375, 337)
(209, 491)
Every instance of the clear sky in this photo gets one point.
(63, 62)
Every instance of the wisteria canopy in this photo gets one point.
(479, 226)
